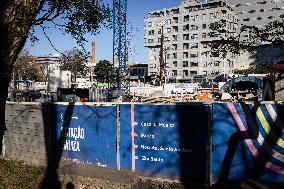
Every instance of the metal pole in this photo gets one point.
(48, 82)
(161, 56)
(210, 143)
(118, 136)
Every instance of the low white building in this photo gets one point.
(56, 78)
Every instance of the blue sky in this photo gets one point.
(137, 10)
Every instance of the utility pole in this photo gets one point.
(48, 81)
(161, 57)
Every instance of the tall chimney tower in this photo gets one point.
(93, 52)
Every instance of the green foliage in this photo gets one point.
(103, 70)
(260, 69)
(75, 61)
(25, 67)
(76, 17)
(271, 34)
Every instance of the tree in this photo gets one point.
(18, 19)
(103, 70)
(258, 69)
(74, 60)
(25, 67)
(271, 34)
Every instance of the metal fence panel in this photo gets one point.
(248, 142)
(165, 141)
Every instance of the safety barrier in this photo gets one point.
(167, 141)
(248, 141)
(190, 142)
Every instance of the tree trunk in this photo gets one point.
(16, 19)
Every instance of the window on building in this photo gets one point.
(150, 24)
(193, 73)
(203, 26)
(193, 64)
(204, 16)
(150, 40)
(175, 63)
(213, 34)
(215, 54)
(166, 39)
(186, 27)
(203, 35)
(213, 25)
(174, 46)
(186, 18)
(194, 27)
(185, 36)
(151, 32)
(174, 72)
(185, 45)
(205, 54)
(168, 30)
(217, 63)
(214, 14)
(194, 36)
(185, 63)
(185, 54)
(175, 19)
(193, 55)
(194, 46)
(175, 28)
(185, 73)
(262, 2)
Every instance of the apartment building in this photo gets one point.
(185, 28)
(52, 68)
(259, 13)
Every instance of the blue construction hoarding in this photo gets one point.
(173, 141)
(248, 142)
(165, 141)
(86, 134)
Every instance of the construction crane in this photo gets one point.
(119, 42)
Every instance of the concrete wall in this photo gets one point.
(24, 139)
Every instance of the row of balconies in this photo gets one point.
(175, 38)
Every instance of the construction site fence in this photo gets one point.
(189, 142)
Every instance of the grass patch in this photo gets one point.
(14, 174)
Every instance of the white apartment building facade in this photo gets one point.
(52, 68)
(259, 13)
(185, 28)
